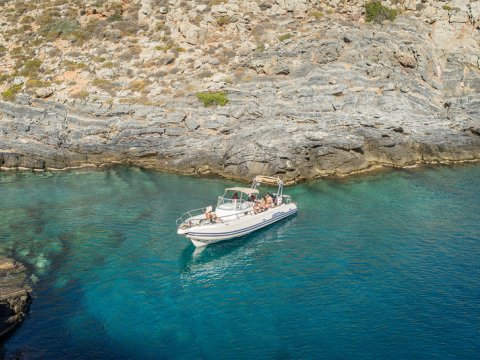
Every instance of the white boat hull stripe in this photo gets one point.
(276, 217)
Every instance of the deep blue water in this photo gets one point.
(378, 266)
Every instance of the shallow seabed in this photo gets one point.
(379, 266)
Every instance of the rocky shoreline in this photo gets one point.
(334, 97)
(14, 295)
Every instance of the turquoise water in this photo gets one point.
(379, 266)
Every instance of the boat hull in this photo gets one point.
(215, 232)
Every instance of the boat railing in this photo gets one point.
(182, 221)
(190, 214)
(286, 199)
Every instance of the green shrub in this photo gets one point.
(102, 83)
(223, 20)
(316, 14)
(127, 28)
(446, 7)
(137, 85)
(178, 49)
(115, 17)
(59, 28)
(3, 78)
(260, 47)
(16, 52)
(31, 67)
(34, 83)
(212, 98)
(107, 64)
(47, 18)
(160, 25)
(72, 65)
(11, 92)
(284, 37)
(169, 44)
(83, 94)
(376, 12)
(27, 20)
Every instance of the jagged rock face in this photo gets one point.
(14, 295)
(307, 97)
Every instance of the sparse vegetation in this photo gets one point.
(71, 65)
(316, 14)
(260, 47)
(376, 12)
(447, 7)
(34, 83)
(223, 20)
(11, 92)
(284, 37)
(212, 98)
(59, 28)
(83, 94)
(107, 65)
(3, 78)
(160, 25)
(103, 84)
(137, 85)
(169, 44)
(115, 17)
(31, 68)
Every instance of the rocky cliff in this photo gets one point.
(313, 89)
(14, 295)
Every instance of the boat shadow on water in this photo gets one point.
(219, 256)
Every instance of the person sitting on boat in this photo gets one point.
(235, 196)
(259, 206)
(268, 200)
(209, 215)
(264, 204)
(252, 198)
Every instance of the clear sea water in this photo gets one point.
(378, 266)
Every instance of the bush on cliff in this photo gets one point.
(31, 68)
(59, 28)
(11, 92)
(376, 12)
(212, 98)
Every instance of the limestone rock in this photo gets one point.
(406, 60)
(459, 17)
(14, 294)
(44, 92)
(145, 11)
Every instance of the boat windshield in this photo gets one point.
(232, 204)
(236, 199)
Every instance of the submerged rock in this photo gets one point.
(14, 294)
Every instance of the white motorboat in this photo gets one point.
(239, 212)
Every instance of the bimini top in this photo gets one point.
(268, 180)
(248, 191)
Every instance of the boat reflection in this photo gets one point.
(215, 261)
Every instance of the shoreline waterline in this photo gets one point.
(375, 167)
